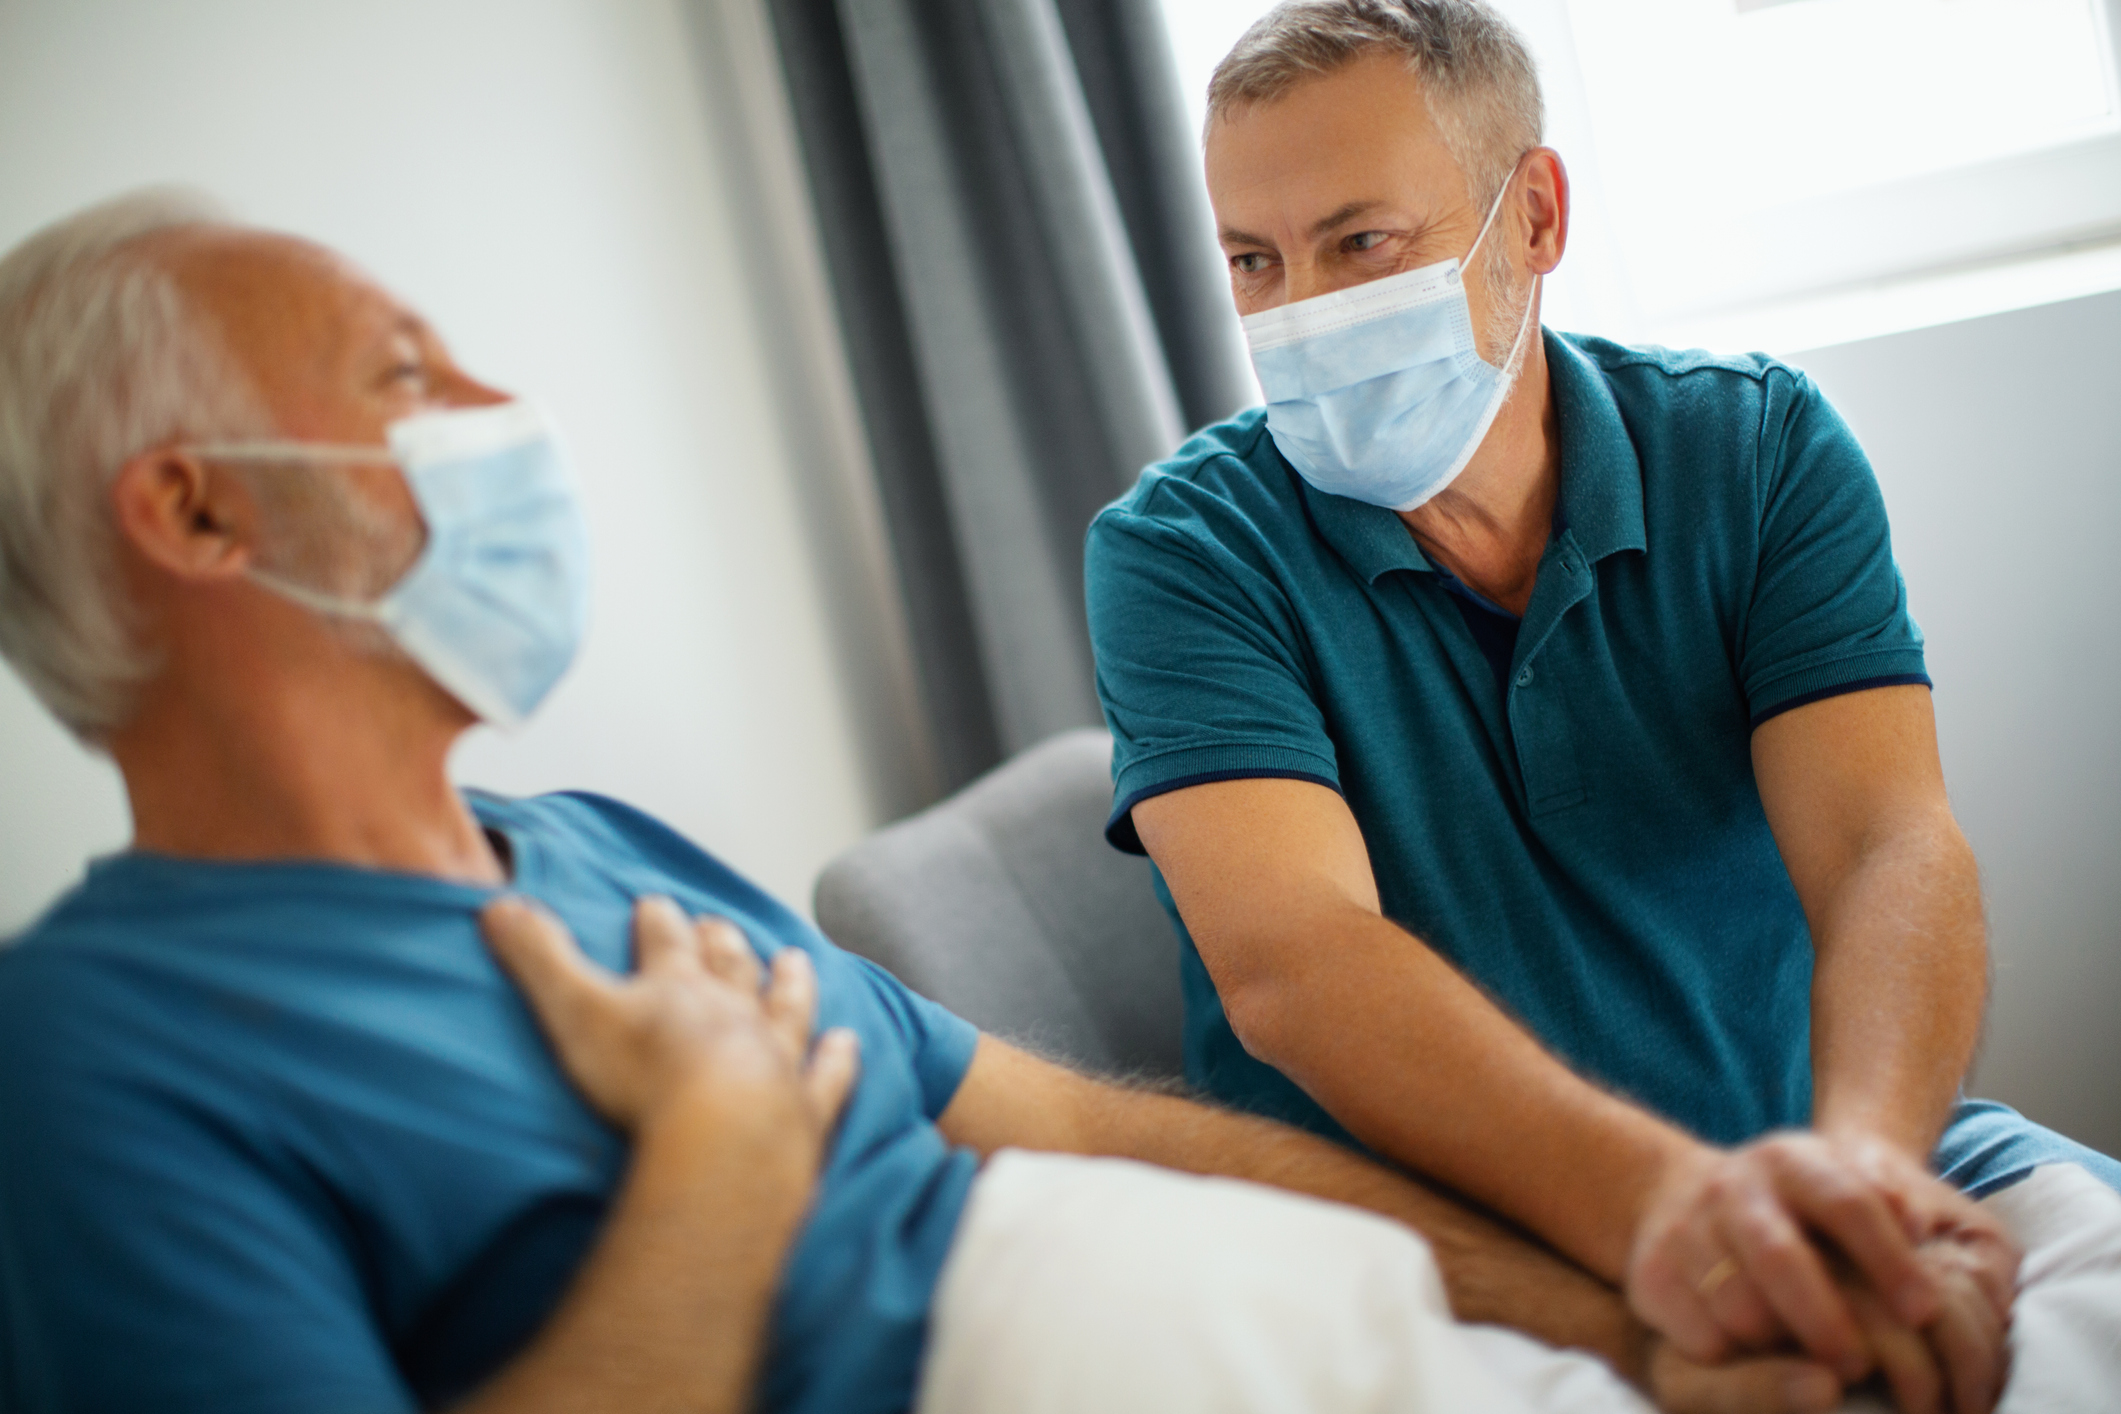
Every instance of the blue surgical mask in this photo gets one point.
(1378, 392)
(496, 604)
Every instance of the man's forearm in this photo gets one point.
(670, 1310)
(1897, 987)
(1274, 882)
(1467, 1096)
(1854, 792)
(1491, 1272)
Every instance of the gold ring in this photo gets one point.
(1712, 1280)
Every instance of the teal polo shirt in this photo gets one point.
(1581, 835)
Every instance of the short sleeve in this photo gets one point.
(150, 1259)
(1200, 666)
(1828, 611)
(939, 1042)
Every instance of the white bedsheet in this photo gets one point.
(1102, 1285)
(2065, 1341)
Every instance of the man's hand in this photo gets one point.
(1761, 1384)
(693, 1015)
(713, 1080)
(1968, 1358)
(1959, 1360)
(1956, 1364)
(1724, 1259)
(1978, 1244)
(1915, 1283)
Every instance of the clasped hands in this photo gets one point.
(1841, 1255)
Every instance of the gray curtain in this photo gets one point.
(1033, 308)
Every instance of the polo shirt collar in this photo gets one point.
(1601, 481)
(1601, 477)
(1372, 539)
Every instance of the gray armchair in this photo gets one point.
(1005, 904)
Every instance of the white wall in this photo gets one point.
(538, 176)
(1998, 442)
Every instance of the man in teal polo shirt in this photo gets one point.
(1535, 745)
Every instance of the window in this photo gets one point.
(1755, 149)
(1788, 173)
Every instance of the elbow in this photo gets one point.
(1282, 1004)
(1259, 1010)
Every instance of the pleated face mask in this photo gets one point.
(1378, 392)
(495, 606)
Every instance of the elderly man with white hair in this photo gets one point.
(1536, 748)
(278, 1133)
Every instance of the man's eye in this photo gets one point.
(1366, 240)
(406, 373)
(1250, 263)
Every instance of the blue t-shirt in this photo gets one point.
(1580, 833)
(283, 1136)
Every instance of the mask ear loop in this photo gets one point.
(1510, 365)
(1492, 210)
(332, 605)
(1514, 364)
(280, 453)
(272, 454)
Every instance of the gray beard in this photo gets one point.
(317, 531)
(1508, 304)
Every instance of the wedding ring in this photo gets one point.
(1713, 1279)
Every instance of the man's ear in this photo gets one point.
(182, 517)
(1547, 206)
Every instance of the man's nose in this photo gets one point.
(1302, 279)
(461, 390)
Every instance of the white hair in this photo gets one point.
(1477, 77)
(101, 357)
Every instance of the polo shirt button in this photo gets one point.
(1524, 676)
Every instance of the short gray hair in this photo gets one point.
(101, 357)
(1477, 76)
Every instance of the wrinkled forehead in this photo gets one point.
(300, 318)
(1363, 131)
